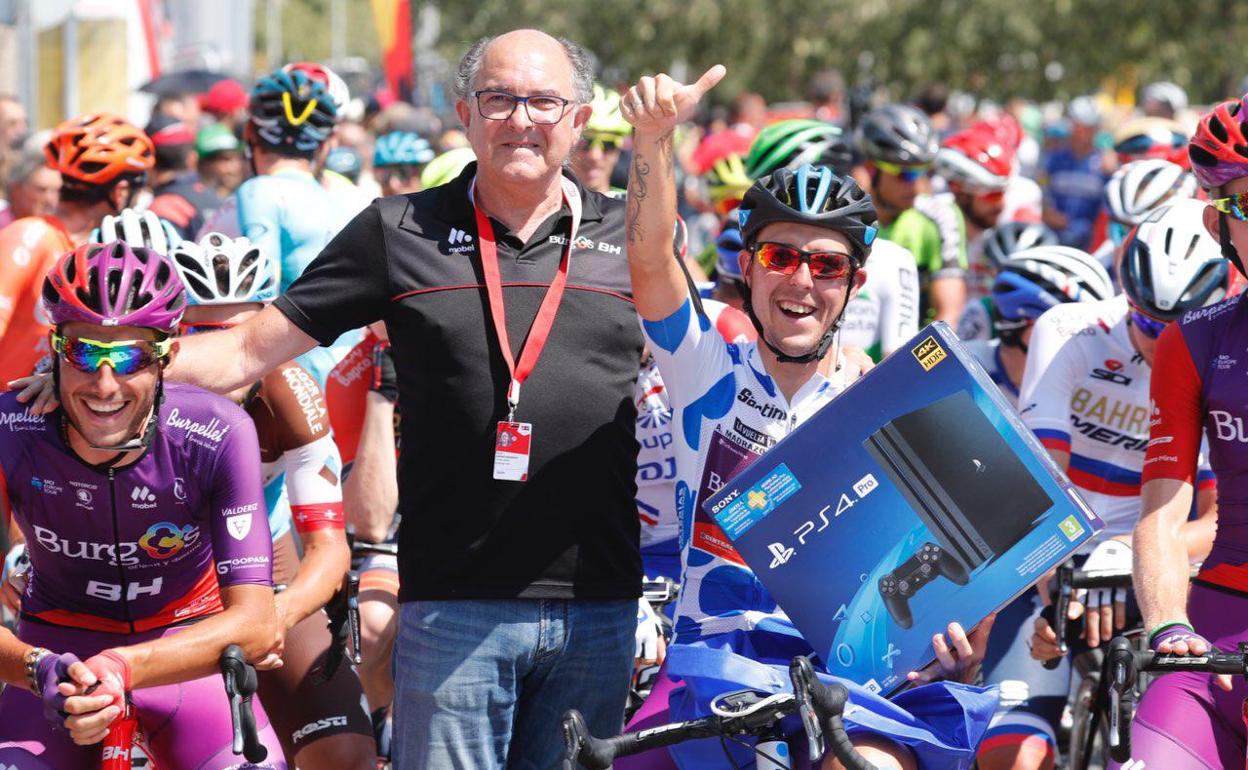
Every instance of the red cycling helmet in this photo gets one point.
(976, 157)
(1219, 148)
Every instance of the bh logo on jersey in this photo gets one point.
(165, 539)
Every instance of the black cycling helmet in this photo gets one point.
(292, 112)
(810, 195)
(898, 133)
(1010, 237)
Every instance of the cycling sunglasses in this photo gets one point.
(988, 196)
(1236, 205)
(604, 142)
(186, 329)
(1151, 327)
(904, 173)
(125, 357)
(824, 265)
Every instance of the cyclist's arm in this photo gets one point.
(948, 297)
(1161, 552)
(226, 360)
(316, 506)
(249, 620)
(659, 286)
(370, 494)
(20, 258)
(1049, 380)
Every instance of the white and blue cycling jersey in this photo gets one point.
(730, 412)
(289, 216)
(730, 633)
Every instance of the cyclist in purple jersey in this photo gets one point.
(1187, 719)
(143, 515)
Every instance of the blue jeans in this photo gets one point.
(483, 684)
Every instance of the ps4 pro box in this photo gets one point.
(915, 498)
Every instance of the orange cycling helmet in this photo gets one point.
(99, 149)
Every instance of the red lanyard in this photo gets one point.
(545, 319)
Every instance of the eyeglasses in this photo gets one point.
(125, 357)
(904, 173)
(1236, 205)
(824, 265)
(542, 109)
(186, 329)
(604, 142)
(1150, 327)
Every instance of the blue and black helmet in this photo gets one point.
(399, 148)
(291, 111)
(811, 195)
(1034, 280)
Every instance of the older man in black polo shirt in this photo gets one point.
(506, 296)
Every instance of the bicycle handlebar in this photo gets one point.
(1123, 665)
(1070, 580)
(820, 705)
(343, 611)
(361, 548)
(240, 684)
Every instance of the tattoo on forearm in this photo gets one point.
(637, 191)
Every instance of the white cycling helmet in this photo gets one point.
(1142, 186)
(137, 229)
(1171, 264)
(220, 270)
(1163, 92)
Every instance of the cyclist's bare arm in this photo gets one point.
(1161, 554)
(326, 559)
(1198, 533)
(249, 620)
(370, 494)
(948, 297)
(655, 106)
(226, 360)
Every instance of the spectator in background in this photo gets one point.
(749, 114)
(220, 159)
(226, 102)
(1074, 177)
(1163, 99)
(179, 196)
(826, 92)
(933, 99)
(13, 124)
(32, 189)
(183, 107)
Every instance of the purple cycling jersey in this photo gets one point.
(146, 545)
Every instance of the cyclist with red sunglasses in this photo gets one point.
(317, 716)
(140, 505)
(807, 234)
(1195, 720)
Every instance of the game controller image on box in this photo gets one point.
(914, 499)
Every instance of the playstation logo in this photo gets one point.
(780, 553)
(979, 467)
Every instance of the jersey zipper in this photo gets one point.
(121, 569)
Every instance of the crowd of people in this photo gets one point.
(568, 300)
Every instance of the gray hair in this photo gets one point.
(24, 165)
(582, 68)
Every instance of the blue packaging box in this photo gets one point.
(915, 498)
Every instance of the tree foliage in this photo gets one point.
(997, 48)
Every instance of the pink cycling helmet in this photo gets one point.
(114, 284)
(1219, 148)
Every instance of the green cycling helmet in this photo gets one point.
(446, 167)
(798, 142)
(606, 118)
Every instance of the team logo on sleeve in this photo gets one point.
(238, 520)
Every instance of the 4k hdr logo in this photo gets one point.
(929, 353)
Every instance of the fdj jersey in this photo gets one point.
(1085, 392)
(146, 545)
(885, 312)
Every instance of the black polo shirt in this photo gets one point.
(571, 530)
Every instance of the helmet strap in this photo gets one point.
(1228, 247)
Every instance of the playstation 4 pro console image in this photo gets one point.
(961, 478)
(914, 499)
